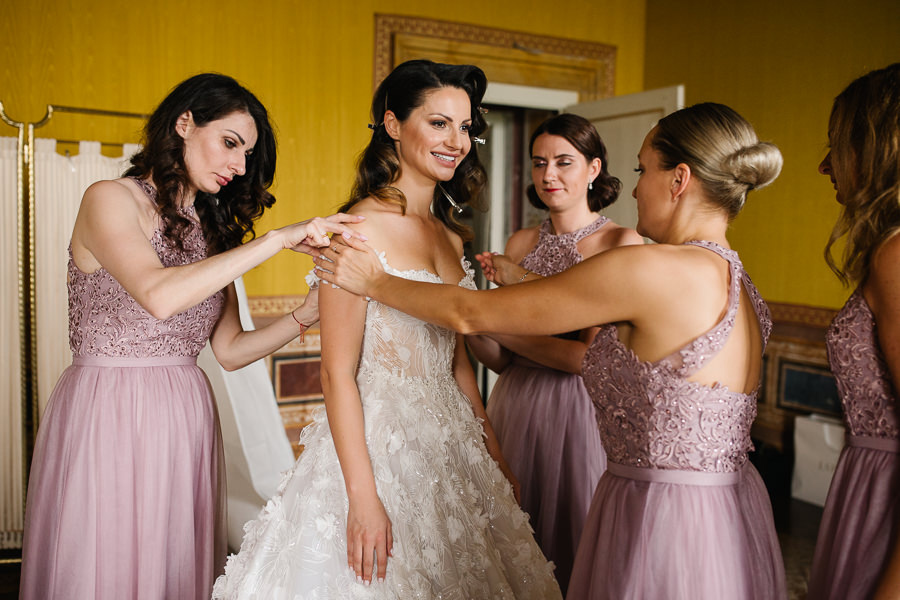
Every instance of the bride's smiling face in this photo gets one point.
(434, 139)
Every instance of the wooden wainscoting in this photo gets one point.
(294, 368)
(796, 378)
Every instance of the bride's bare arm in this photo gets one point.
(465, 378)
(368, 526)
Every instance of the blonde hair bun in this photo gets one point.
(754, 166)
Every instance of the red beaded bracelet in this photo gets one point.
(303, 327)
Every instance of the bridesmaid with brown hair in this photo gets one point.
(858, 550)
(539, 408)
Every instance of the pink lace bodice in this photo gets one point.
(863, 380)
(104, 320)
(555, 253)
(650, 415)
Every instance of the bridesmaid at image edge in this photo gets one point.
(126, 496)
(674, 371)
(858, 551)
(539, 408)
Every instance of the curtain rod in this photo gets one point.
(51, 108)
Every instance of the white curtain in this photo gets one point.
(11, 474)
(257, 450)
(60, 182)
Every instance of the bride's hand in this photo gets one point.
(313, 233)
(349, 264)
(368, 535)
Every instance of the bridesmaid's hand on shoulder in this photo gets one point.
(313, 233)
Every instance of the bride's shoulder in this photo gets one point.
(380, 221)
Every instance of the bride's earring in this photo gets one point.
(450, 199)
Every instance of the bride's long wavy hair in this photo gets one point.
(227, 217)
(401, 92)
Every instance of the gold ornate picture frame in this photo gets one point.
(505, 56)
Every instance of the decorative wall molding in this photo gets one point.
(506, 56)
(800, 314)
(269, 307)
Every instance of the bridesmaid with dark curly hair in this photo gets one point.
(126, 496)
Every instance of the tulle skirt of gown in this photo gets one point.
(458, 533)
(859, 526)
(654, 540)
(126, 497)
(545, 422)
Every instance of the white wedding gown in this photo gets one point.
(458, 532)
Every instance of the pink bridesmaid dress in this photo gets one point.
(545, 423)
(126, 495)
(862, 511)
(680, 511)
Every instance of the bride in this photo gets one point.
(401, 490)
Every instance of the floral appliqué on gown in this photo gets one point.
(458, 532)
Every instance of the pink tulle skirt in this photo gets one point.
(545, 423)
(860, 524)
(126, 495)
(682, 535)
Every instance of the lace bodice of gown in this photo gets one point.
(104, 320)
(863, 380)
(650, 415)
(403, 345)
(555, 253)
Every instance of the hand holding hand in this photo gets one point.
(499, 268)
(369, 538)
(313, 233)
(486, 261)
(308, 312)
(350, 264)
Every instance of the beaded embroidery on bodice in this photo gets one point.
(650, 415)
(404, 346)
(555, 253)
(104, 320)
(863, 380)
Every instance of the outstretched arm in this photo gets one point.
(109, 231)
(557, 353)
(235, 348)
(574, 299)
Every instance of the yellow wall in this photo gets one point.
(780, 64)
(310, 63)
